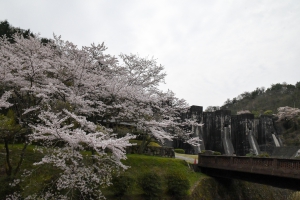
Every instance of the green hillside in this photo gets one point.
(265, 101)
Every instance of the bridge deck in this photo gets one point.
(287, 170)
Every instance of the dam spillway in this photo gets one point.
(231, 134)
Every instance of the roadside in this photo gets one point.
(187, 157)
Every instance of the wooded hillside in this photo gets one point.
(266, 101)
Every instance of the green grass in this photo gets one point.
(138, 165)
(143, 163)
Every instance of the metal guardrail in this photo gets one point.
(288, 168)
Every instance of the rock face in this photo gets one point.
(231, 134)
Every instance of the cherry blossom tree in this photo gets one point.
(243, 112)
(3, 100)
(53, 78)
(287, 113)
(84, 174)
(63, 95)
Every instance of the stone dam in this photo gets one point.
(234, 134)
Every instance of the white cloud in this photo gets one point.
(211, 50)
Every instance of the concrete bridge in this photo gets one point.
(282, 173)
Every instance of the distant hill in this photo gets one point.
(8, 30)
(265, 101)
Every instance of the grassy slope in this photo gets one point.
(139, 164)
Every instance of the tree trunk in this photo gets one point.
(21, 159)
(8, 167)
(144, 144)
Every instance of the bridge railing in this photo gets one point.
(289, 168)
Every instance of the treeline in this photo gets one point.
(265, 101)
(9, 31)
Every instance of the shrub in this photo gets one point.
(263, 155)
(139, 142)
(217, 153)
(179, 150)
(251, 153)
(268, 112)
(178, 185)
(151, 184)
(121, 184)
(6, 189)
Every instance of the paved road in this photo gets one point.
(190, 160)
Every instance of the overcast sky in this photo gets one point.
(211, 50)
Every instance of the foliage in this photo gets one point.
(64, 97)
(3, 100)
(212, 108)
(226, 189)
(8, 125)
(251, 153)
(179, 151)
(9, 131)
(268, 112)
(91, 171)
(256, 113)
(261, 100)
(139, 142)
(121, 184)
(7, 189)
(9, 31)
(263, 155)
(217, 153)
(151, 183)
(243, 112)
(140, 164)
(287, 113)
(178, 185)
(294, 196)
